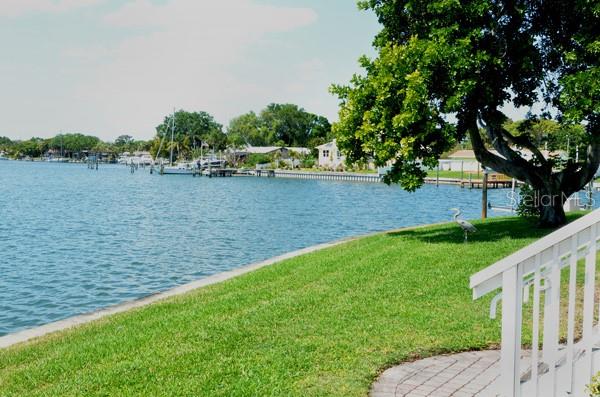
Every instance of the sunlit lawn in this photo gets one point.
(453, 174)
(323, 324)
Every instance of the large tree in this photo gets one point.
(73, 143)
(444, 71)
(279, 125)
(192, 129)
(247, 130)
(293, 125)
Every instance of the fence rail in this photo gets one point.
(539, 266)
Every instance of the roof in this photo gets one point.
(301, 150)
(462, 154)
(260, 149)
(525, 153)
(271, 149)
(328, 145)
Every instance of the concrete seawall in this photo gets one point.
(31, 333)
(61, 325)
(325, 176)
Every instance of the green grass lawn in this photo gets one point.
(322, 324)
(452, 174)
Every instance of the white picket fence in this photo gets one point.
(560, 368)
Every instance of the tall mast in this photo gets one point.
(172, 132)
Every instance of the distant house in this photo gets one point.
(464, 159)
(268, 150)
(330, 156)
(280, 152)
(525, 153)
(283, 151)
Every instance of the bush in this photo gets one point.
(594, 387)
(254, 159)
(527, 199)
(307, 163)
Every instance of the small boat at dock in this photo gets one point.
(181, 168)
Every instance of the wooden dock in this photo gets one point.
(219, 172)
(495, 181)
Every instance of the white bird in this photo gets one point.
(465, 226)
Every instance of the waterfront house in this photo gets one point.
(330, 156)
(464, 159)
(280, 152)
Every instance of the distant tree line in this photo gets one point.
(69, 145)
(276, 125)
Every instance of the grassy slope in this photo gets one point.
(321, 324)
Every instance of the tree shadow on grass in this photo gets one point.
(490, 230)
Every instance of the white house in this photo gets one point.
(282, 151)
(464, 160)
(330, 156)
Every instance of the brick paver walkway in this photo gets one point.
(457, 375)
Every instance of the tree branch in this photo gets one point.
(500, 138)
(520, 170)
(524, 142)
(574, 177)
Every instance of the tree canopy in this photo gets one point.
(73, 142)
(279, 125)
(446, 68)
(192, 129)
(69, 145)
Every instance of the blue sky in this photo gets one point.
(109, 67)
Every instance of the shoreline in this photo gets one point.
(29, 334)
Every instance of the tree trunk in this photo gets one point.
(550, 202)
(552, 188)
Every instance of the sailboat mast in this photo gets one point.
(172, 132)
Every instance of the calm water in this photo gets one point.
(73, 240)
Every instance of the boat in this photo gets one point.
(181, 168)
(58, 160)
(124, 158)
(211, 163)
(146, 159)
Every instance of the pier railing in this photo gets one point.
(562, 365)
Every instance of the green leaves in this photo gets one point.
(441, 62)
(280, 124)
(580, 96)
(192, 129)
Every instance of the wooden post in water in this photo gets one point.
(437, 175)
(484, 197)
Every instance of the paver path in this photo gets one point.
(457, 375)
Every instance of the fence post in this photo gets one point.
(512, 295)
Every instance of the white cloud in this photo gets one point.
(184, 55)
(16, 8)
